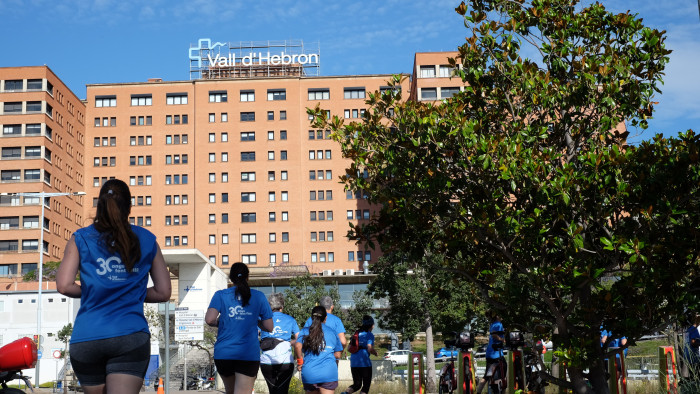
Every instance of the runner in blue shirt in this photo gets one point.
(332, 321)
(318, 349)
(277, 360)
(110, 345)
(495, 363)
(360, 364)
(238, 311)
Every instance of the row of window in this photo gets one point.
(18, 85)
(252, 259)
(32, 129)
(245, 116)
(221, 96)
(12, 222)
(11, 269)
(18, 107)
(30, 152)
(432, 93)
(13, 245)
(30, 175)
(443, 71)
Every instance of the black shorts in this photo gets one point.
(227, 368)
(129, 354)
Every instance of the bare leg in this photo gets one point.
(325, 391)
(480, 387)
(120, 383)
(244, 384)
(94, 389)
(229, 383)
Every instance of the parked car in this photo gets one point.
(399, 357)
(445, 353)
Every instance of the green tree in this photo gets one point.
(48, 271)
(524, 181)
(423, 298)
(304, 293)
(64, 335)
(362, 305)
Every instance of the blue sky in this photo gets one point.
(108, 41)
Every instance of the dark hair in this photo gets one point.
(315, 342)
(112, 221)
(239, 277)
(367, 323)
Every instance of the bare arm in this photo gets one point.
(162, 289)
(343, 341)
(266, 325)
(293, 340)
(298, 354)
(372, 350)
(212, 317)
(68, 270)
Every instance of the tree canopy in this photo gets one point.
(525, 183)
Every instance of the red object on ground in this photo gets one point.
(20, 354)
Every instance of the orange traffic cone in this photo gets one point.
(161, 390)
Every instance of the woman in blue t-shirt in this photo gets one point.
(317, 350)
(360, 364)
(110, 345)
(277, 360)
(238, 312)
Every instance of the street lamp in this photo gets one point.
(40, 274)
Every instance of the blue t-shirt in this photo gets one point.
(496, 327)
(691, 353)
(111, 301)
(322, 367)
(332, 321)
(361, 357)
(285, 329)
(238, 325)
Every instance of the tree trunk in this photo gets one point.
(596, 376)
(430, 385)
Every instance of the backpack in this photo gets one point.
(354, 345)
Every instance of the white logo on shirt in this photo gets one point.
(238, 312)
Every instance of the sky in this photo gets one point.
(111, 41)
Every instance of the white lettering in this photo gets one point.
(275, 60)
(250, 59)
(247, 60)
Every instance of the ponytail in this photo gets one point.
(315, 342)
(112, 222)
(239, 277)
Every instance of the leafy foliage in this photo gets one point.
(303, 294)
(48, 271)
(525, 184)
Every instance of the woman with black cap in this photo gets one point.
(360, 364)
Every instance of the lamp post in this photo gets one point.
(40, 273)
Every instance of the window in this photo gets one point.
(427, 71)
(448, 92)
(212, 117)
(354, 93)
(285, 196)
(313, 236)
(270, 155)
(212, 218)
(350, 214)
(271, 216)
(314, 257)
(224, 137)
(248, 136)
(224, 157)
(285, 237)
(319, 94)
(247, 197)
(212, 177)
(224, 218)
(218, 96)
(285, 216)
(273, 259)
(247, 177)
(35, 129)
(428, 93)
(270, 115)
(312, 195)
(272, 237)
(12, 129)
(247, 116)
(446, 71)
(247, 156)
(224, 117)
(175, 98)
(270, 175)
(247, 95)
(224, 239)
(313, 216)
(32, 175)
(283, 175)
(283, 115)
(248, 217)
(283, 155)
(270, 135)
(224, 177)
(224, 259)
(13, 107)
(212, 198)
(105, 101)
(212, 239)
(249, 259)
(351, 256)
(271, 196)
(248, 238)
(212, 157)
(276, 94)
(16, 152)
(283, 134)
(141, 99)
(14, 84)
